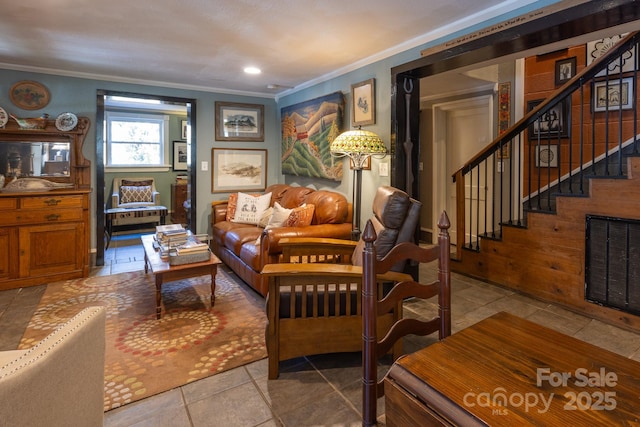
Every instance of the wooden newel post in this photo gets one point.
(369, 333)
(444, 297)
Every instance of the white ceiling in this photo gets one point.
(205, 44)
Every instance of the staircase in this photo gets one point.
(525, 227)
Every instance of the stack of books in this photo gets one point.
(192, 246)
(171, 235)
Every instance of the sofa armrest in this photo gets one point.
(270, 238)
(115, 200)
(218, 211)
(155, 197)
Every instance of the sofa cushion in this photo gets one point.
(250, 208)
(300, 216)
(236, 237)
(220, 230)
(135, 193)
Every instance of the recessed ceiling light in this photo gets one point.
(252, 70)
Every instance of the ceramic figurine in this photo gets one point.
(32, 123)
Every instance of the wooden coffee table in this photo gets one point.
(165, 272)
(508, 371)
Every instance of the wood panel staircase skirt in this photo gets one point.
(546, 260)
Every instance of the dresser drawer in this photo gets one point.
(7, 204)
(18, 217)
(53, 201)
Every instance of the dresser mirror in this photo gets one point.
(46, 153)
(35, 159)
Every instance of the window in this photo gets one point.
(134, 139)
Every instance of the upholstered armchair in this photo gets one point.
(134, 193)
(314, 303)
(60, 380)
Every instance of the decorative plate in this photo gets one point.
(29, 95)
(4, 117)
(66, 122)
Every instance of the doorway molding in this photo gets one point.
(190, 104)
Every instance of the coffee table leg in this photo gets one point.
(214, 270)
(158, 296)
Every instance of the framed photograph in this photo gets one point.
(366, 167)
(565, 70)
(29, 95)
(614, 94)
(240, 169)
(546, 156)
(239, 122)
(553, 124)
(185, 129)
(363, 103)
(179, 156)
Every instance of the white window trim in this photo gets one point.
(112, 115)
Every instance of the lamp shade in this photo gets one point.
(358, 144)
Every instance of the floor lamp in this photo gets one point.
(358, 145)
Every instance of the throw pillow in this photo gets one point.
(300, 216)
(265, 218)
(135, 194)
(279, 217)
(249, 209)
(136, 183)
(231, 206)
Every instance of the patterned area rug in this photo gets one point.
(146, 356)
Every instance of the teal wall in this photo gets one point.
(78, 95)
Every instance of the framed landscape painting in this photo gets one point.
(239, 122)
(308, 128)
(239, 169)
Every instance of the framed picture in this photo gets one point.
(185, 129)
(624, 63)
(239, 122)
(307, 129)
(504, 152)
(179, 156)
(613, 94)
(366, 167)
(363, 103)
(241, 169)
(547, 156)
(565, 70)
(29, 95)
(552, 124)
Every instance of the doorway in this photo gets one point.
(460, 130)
(189, 106)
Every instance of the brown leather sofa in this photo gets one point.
(247, 248)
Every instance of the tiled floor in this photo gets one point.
(313, 391)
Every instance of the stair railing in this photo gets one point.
(554, 149)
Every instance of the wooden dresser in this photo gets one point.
(44, 235)
(179, 194)
(508, 371)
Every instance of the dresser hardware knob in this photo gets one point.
(52, 217)
(52, 202)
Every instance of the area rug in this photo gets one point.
(146, 356)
